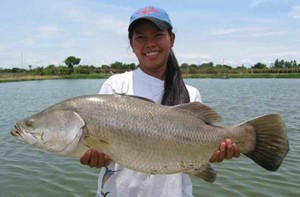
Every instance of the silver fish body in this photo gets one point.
(151, 138)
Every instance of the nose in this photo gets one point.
(150, 43)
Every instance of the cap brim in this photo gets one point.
(161, 25)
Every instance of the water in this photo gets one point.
(26, 171)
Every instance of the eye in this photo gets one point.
(159, 35)
(29, 122)
(140, 38)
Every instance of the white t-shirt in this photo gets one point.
(116, 181)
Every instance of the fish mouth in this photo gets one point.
(23, 135)
(17, 131)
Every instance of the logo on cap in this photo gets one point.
(148, 10)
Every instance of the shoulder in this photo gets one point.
(116, 83)
(194, 93)
(117, 78)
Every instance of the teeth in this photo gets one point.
(152, 54)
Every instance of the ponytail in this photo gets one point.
(175, 90)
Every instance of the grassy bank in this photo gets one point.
(244, 75)
(26, 77)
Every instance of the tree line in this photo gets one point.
(72, 66)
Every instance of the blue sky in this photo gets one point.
(234, 32)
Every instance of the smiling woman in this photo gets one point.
(159, 79)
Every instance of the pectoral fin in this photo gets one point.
(96, 143)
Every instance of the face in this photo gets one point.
(152, 48)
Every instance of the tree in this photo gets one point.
(132, 66)
(71, 61)
(294, 64)
(207, 65)
(259, 65)
(39, 70)
(50, 70)
(279, 64)
(184, 65)
(116, 65)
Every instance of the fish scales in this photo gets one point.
(165, 137)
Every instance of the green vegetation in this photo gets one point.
(72, 70)
(71, 61)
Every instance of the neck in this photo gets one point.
(157, 73)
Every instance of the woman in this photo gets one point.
(158, 78)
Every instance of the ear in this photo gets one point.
(172, 38)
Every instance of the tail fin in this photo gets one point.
(271, 141)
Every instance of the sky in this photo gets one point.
(232, 32)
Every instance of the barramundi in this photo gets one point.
(151, 138)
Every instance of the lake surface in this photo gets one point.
(28, 172)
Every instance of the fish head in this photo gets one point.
(57, 131)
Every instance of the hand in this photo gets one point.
(93, 159)
(227, 150)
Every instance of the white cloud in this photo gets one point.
(269, 33)
(296, 11)
(47, 29)
(229, 31)
(246, 61)
(225, 31)
(110, 23)
(277, 54)
(193, 57)
(248, 31)
(255, 3)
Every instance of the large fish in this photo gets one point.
(151, 138)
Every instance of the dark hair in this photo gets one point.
(175, 91)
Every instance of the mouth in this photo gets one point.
(17, 131)
(152, 54)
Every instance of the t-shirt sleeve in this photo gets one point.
(107, 86)
(114, 84)
(194, 94)
(106, 89)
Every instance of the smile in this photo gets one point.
(151, 54)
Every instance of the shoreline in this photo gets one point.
(19, 77)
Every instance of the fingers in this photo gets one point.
(227, 150)
(215, 156)
(84, 160)
(222, 152)
(237, 151)
(219, 155)
(94, 158)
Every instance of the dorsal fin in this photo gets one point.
(201, 111)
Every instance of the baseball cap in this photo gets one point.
(154, 14)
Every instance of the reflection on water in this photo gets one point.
(27, 171)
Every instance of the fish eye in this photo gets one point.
(29, 122)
